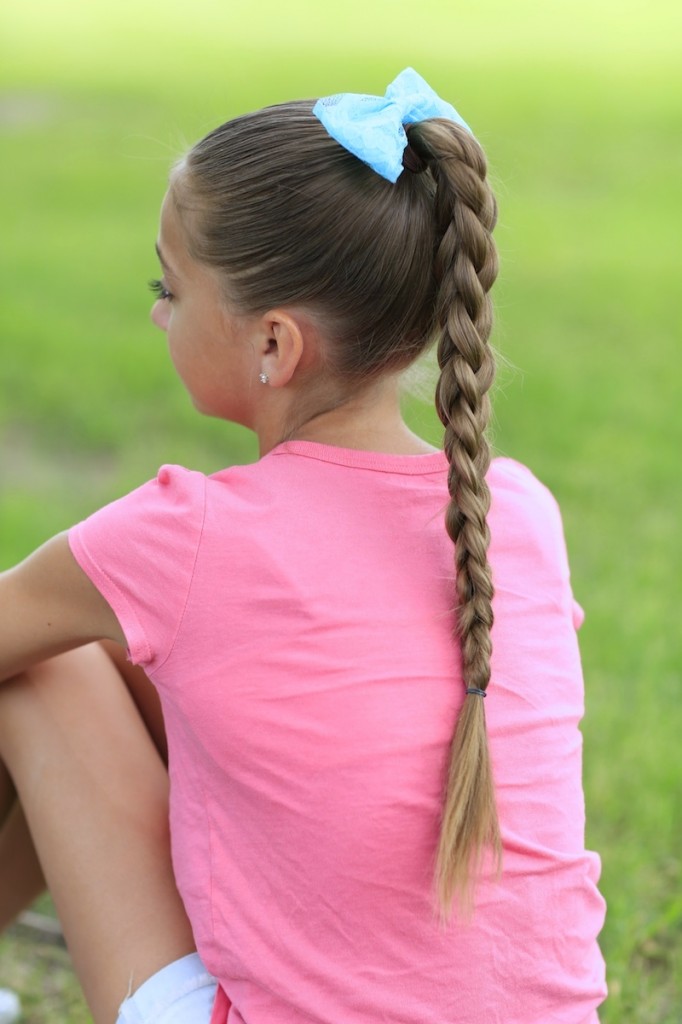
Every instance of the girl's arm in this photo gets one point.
(47, 606)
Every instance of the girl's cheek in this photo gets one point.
(160, 314)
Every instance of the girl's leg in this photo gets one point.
(20, 871)
(21, 875)
(95, 794)
(8, 794)
(144, 695)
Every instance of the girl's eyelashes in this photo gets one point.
(160, 290)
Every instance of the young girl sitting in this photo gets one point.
(317, 626)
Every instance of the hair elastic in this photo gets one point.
(412, 161)
(475, 690)
(371, 127)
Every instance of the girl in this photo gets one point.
(317, 626)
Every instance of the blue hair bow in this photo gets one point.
(371, 127)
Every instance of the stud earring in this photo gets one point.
(263, 378)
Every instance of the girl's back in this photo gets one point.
(298, 626)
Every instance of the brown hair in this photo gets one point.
(382, 269)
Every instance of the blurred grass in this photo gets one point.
(578, 106)
(43, 977)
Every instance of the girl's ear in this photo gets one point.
(290, 345)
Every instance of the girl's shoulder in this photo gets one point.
(516, 492)
(526, 522)
(512, 481)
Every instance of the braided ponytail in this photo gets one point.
(465, 267)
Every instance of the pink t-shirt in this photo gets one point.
(295, 616)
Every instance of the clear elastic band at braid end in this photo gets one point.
(476, 692)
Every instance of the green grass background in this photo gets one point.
(579, 107)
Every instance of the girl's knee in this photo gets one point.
(50, 678)
(72, 696)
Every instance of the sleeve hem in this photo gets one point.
(181, 618)
(139, 649)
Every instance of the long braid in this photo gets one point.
(465, 266)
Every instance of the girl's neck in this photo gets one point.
(370, 421)
(390, 438)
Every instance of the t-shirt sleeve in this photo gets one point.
(140, 553)
(534, 533)
(578, 614)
